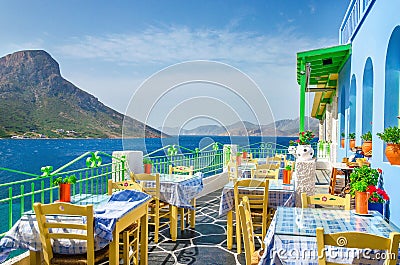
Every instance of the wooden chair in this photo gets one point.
(333, 181)
(157, 209)
(51, 230)
(233, 172)
(188, 171)
(325, 200)
(265, 173)
(358, 240)
(282, 158)
(130, 236)
(258, 205)
(246, 224)
(181, 170)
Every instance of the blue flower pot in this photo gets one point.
(375, 207)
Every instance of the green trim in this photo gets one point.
(302, 95)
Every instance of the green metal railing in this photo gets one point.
(208, 160)
(92, 176)
(263, 150)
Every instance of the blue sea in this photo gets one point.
(29, 155)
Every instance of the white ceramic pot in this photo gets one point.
(304, 152)
(292, 150)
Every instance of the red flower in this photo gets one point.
(374, 199)
(371, 188)
(126, 184)
(379, 170)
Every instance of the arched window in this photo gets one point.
(367, 96)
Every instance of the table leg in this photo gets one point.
(193, 214)
(174, 222)
(229, 229)
(144, 230)
(35, 257)
(113, 254)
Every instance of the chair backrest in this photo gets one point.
(257, 200)
(123, 185)
(233, 173)
(52, 229)
(265, 173)
(181, 170)
(246, 225)
(250, 161)
(326, 200)
(358, 240)
(269, 165)
(150, 183)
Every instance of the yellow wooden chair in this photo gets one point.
(246, 224)
(51, 230)
(130, 236)
(269, 171)
(282, 158)
(181, 170)
(188, 171)
(157, 209)
(358, 240)
(233, 172)
(258, 205)
(325, 200)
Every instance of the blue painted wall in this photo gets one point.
(371, 43)
(343, 107)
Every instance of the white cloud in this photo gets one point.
(175, 44)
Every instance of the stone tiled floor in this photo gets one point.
(206, 244)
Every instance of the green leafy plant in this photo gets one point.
(67, 180)
(352, 136)
(305, 138)
(342, 134)
(363, 177)
(147, 161)
(390, 135)
(239, 153)
(367, 136)
(288, 167)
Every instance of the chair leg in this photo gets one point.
(156, 222)
(125, 253)
(182, 213)
(193, 214)
(238, 234)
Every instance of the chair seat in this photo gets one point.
(162, 204)
(79, 259)
(132, 227)
(256, 257)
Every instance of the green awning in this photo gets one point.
(324, 66)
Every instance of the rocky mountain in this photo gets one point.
(285, 127)
(35, 100)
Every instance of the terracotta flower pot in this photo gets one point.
(244, 154)
(362, 202)
(239, 160)
(65, 192)
(286, 176)
(147, 168)
(342, 142)
(392, 153)
(366, 146)
(352, 143)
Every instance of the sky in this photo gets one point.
(113, 49)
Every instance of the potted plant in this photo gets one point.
(65, 187)
(360, 179)
(147, 163)
(239, 158)
(391, 135)
(244, 153)
(352, 142)
(367, 142)
(287, 174)
(304, 151)
(342, 139)
(377, 198)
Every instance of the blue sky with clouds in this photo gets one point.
(108, 48)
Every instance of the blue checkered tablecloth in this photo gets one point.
(178, 190)
(290, 239)
(108, 210)
(278, 195)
